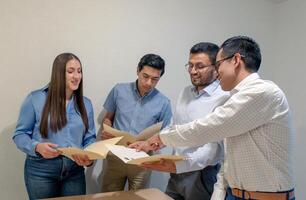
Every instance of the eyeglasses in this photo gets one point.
(197, 66)
(219, 62)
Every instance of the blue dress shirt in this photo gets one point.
(27, 134)
(134, 113)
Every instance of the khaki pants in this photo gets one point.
(116, 173)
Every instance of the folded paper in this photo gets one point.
(96, 150)
(129, 137)
(131, 156)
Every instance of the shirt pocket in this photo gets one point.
(126, 107)
(147, 117)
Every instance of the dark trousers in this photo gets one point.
(195, 185)
(209, 177)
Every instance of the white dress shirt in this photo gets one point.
(256, 125)
(192, 105)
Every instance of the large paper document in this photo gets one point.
(96, 150)
(131, 156)
(130, 138)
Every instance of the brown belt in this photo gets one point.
(262, 195)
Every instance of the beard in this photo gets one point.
(200, 83)
(203, 81)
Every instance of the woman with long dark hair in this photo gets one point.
(56, 116)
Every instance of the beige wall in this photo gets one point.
(110, 37)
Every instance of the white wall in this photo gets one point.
(110, 37)
(289, 71)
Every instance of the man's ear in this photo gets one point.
(237, 59)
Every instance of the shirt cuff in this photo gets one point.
(181, 166)
(164, 136)
(33, 147)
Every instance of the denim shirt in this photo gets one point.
(134, 113)
(27, 134)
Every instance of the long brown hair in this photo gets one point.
(54, 111)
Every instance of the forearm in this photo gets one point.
(237, 116)
(25, 144)
(108, 118)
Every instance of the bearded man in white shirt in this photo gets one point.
(196, 101)
(255, 124)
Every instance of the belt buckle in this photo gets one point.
(247, 194)
(241, 193)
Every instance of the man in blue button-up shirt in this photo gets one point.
(133, 107)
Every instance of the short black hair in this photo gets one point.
(245, 46)
(208, 48)
(152, 60)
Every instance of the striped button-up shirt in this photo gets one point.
(192, 105)
(256, 125)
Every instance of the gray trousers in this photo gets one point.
(196, 185)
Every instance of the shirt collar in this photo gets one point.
(245, 81)
(135, 88)
(208, 90)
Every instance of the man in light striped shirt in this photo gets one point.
(255, 124)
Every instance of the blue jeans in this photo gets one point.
(229, 196)
(56, 177)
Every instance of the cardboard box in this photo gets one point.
(144, 194)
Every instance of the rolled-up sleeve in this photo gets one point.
(110, 104)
